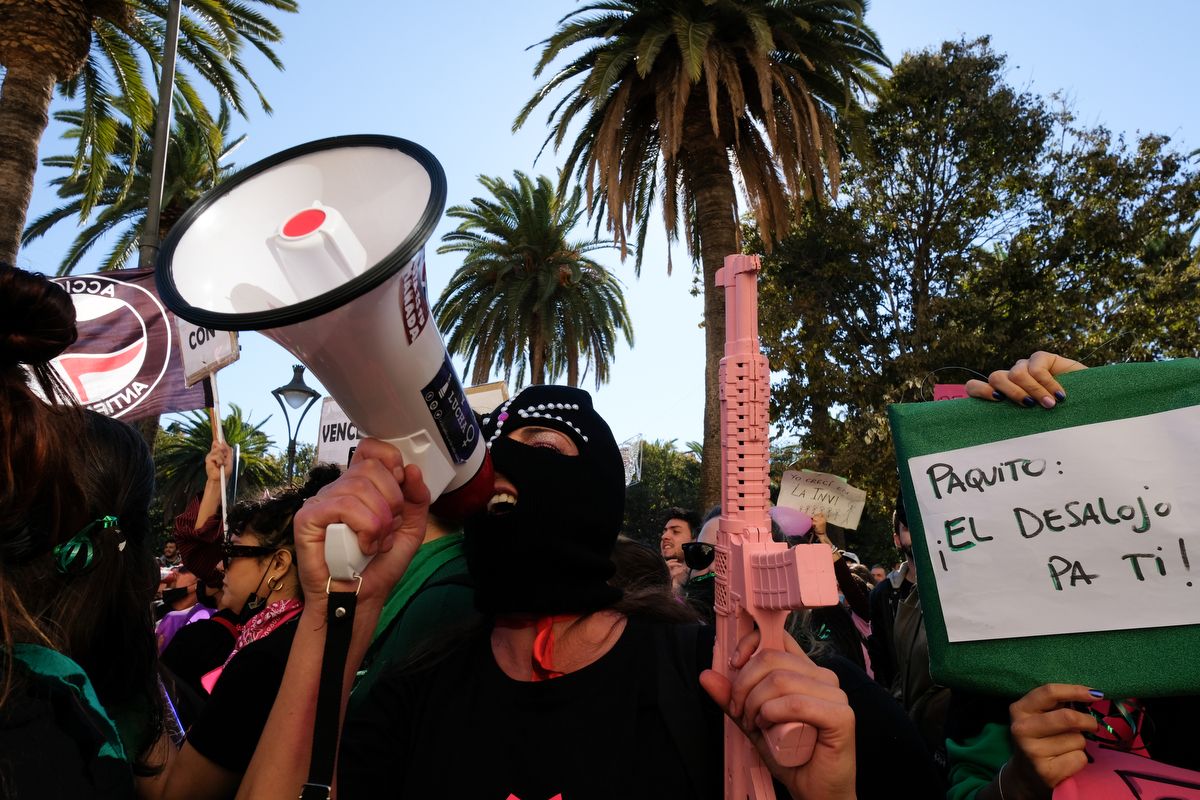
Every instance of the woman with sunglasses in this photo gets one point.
(261, 586)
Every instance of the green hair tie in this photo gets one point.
(76, 555)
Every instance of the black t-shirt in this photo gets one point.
(463, 728)
(234, 716)
(198, 648)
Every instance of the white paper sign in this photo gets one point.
(822, 493)
(338, 437)
(204, 350)
(1091, 528)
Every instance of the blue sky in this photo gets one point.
(452, 76)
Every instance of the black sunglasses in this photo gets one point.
(231, 551)
(698, 555)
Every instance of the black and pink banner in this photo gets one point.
(126, 363)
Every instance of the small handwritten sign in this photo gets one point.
(204, 350)
(338, 437)
(1088, 528)
(822, 493)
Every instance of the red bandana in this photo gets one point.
(262, 624)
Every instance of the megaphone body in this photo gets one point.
(321, 248)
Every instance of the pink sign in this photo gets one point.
(949, 391)
(1117, 775)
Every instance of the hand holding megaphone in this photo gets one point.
(321, 248)
(381, 506)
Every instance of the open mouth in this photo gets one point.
(501, 503)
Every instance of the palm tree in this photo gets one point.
(96, 50)
(526, 295)
(670, 101)
(193, 167)
(179, 458)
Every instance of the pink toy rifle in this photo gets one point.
(758, 580)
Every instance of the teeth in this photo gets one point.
(501, 503)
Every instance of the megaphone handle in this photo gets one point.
(345, 561)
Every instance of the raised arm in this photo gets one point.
(221, 455)
(386, 504)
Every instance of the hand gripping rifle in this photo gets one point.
(758, 580)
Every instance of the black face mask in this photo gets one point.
(552, 553)
(172, 596)
(254, 603)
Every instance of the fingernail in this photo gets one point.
(1096, 693)
(388, 542)
(1061, 395)
(998, 395)
(398, 474)
(1029, 402)
(733, 708)
(1048, 402)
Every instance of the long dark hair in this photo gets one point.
(64, 468)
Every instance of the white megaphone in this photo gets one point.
(321, 247)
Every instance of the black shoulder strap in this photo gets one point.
(678, 671)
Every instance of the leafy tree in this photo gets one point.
(669, 478)
(676, 102)
(985, 225)
(526, 294)
(194, 156)
(179, 457)
(97, 51)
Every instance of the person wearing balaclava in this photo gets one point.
(562, 692)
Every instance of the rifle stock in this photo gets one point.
(759, 581)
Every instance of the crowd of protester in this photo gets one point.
(528, 651)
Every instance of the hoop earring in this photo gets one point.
(273, 586)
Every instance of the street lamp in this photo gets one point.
(294, 395)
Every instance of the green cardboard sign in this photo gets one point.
(1061, 545)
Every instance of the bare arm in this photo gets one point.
(386, 504)
(221, 455)
(186, 775)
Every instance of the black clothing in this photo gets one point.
(197, 649)
(884, 600)
(465, 729)
(700, 593)
(234, 716)
(630, 725)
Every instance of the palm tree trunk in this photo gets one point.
(537, 352)
(148, 428)
(572, 356)
(716, 222)
(24, 113)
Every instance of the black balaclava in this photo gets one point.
(552, 553)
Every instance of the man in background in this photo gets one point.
(681, 526)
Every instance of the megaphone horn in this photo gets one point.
(321, 247)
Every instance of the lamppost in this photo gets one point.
(294, 395)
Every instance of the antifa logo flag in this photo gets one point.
(126, 362)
